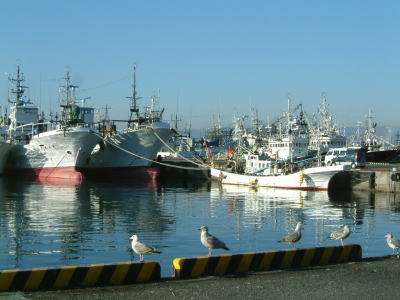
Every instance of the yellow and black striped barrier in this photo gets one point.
(264, 261)
(79, 276)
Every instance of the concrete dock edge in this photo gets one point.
(79, 276)
(149, 271)
(264, 261)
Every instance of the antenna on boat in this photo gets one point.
(66, 89)
(106, 109)
(175, 120)
(134, 109)
(67, 100)
(19, 89)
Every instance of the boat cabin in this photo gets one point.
(262, 165)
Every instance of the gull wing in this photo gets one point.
(144, 249)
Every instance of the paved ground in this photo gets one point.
(370, 279)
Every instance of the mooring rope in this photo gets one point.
(177, 153)
(51, 172)
(174, 152)
(150, 160)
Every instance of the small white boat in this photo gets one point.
(315, 178)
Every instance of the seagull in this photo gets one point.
(393, 243)
(211, 242)
(293, 237)
(341, 234)
(142, 249)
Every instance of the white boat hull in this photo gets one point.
(55, 153)
(130, 152)
(317, 178)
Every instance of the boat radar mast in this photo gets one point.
(134, 109)
(69, 111)
(19, 89)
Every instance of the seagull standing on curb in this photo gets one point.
(341, 234)
(211, 242)
(293, 237)
(142, 249)
(393, 243)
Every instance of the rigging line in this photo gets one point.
(57, 164)
(150, 160)
(105, 84)
(174, 152)
(196, 158)
(179, 155)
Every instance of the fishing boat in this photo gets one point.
(378, 149)
(324, 133)
(286, 136)
(54, 149)
(316, 178)
(129, 153)
(264, 172)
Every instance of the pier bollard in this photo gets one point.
(79, 276)
(264, 261)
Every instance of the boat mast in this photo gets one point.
(68, 98)
(19, 89)
(133, 109)
(289, 132)
(289, 114)
(370, 133)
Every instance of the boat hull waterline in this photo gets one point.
(310, 179)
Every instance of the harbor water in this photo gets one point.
(54, 224)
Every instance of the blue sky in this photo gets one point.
(210, 57)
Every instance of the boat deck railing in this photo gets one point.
(26, 131)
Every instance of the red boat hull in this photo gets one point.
(60, 175)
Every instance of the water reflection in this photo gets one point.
(57, 225)
(279, 210)
(52, 225)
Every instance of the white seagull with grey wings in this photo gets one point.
(293, 237)
(142, 249)
(393, 243)
(341, 234)
(211, 242)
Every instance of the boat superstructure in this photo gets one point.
(294, 134)
(289, 138)
(324, 132)
(378, 149)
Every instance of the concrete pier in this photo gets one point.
(375, 278)
(377, 178)
(373, 178)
